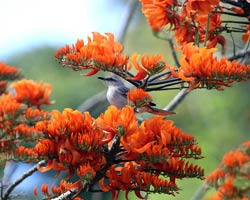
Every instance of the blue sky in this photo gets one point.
(28, 23)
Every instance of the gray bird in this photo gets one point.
(117, 96)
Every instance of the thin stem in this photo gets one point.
(234, 49)
(160, 75)
(229, 13)
(207, 29)
(200, 192)
(130, 10)
(235, 22)
(67, 195)
(163, 82)
(177, 99)
(20, 179)
(164, 86)
(239, 55)
(173, 51)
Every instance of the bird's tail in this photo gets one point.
(157, 111)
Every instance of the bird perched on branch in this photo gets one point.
(117, 96)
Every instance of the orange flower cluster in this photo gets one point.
(189, 21)
(201, 6)
(200, 67)
(156, 146)
(31, 93)
(57, 191)
(130, 177)
(150, 65)
(246, 35)
(139, 98)
(17, 117)
(71, 141)
(103, 53)
(195, 20)
(132, 157)
(160, 13)
(100, 53)
(9, 111)
(7, 73)
(230, 178)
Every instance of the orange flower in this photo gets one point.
(32, 93)
(86, 172)
(45, 189)
(101, 52)
(246, 35)
(65, 123)
(138, 97)
(201, 6)
(35, 115)
(3, 86)
(65, 186)
(120, 121)
(8, 72)
(234, 169)
(160, 13)
(166, 133)
(10, 107)
(25, 132)
(186, 33)
(199, 66)
(214, 21)
(234, 158)
(45, 148)
(150, 65)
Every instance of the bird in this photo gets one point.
(117, 96)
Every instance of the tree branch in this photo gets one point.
(129, 11)
(67, 195)
(20, 179)
(200, 192)
(177, 99)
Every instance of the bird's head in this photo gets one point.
(112, 81)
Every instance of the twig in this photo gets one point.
(236, 22)
(229, 13)
(173, 51)
(129, 11)
(67, 195)
(91, 103)
(20, 179)
(177, 99)
(200, 192)
(239, 55)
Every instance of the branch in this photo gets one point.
(200, 192)
(20, 179)
(240, 54)
(177, 99)
(173, 51)
(67, 195)
(92, 102)
(129, 11)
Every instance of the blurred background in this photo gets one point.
(31, 31)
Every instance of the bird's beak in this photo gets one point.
(102, 78)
